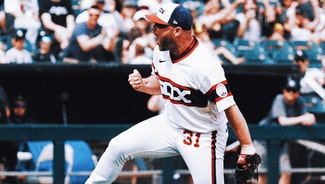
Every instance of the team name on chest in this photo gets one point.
(175, 93)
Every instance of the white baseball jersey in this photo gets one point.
(192, 125)
(14, 55)
(195, 88)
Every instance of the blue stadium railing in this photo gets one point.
(59, 133)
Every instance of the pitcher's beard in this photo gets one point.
(167, 44)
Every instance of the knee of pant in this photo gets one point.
(116, 150)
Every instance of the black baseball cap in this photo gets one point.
(20, 33)
(300, 55)
(292, 84)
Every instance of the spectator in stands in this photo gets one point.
(295, 24)
(44, 53)
(320, 29)
(318, 23)
(58, 18)
(284, 10)
(312, 79)
(84, 5)
(106, 19)
(127, 12)
(250, 27)
(306, 22)
(26, 15)
(89, 42)
(279, 12)
(141, 38)
(202, 34)
(141, 22)
(19, 111)
(133, 34)
(268, 16)
(17, 54)
(195, 6)
(112, 20)
(114, 7)
(19, 116)
(3, 28)
(277, 33)
(220, 22)
(311, 14)
(140, 55)
(287, 109)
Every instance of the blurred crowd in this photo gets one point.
(117, 31)
(75, 31)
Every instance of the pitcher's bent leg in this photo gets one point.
(109, 166)
(145, 139)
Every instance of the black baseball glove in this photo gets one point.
(245, 169)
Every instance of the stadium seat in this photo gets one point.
(313, 51)
(76, 7)
(322, 45)
(281, 52)
(252, 51)
(6, 41)
(224, 43)
(315, 105)
(78, 158)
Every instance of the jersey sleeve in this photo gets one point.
(217, 90)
